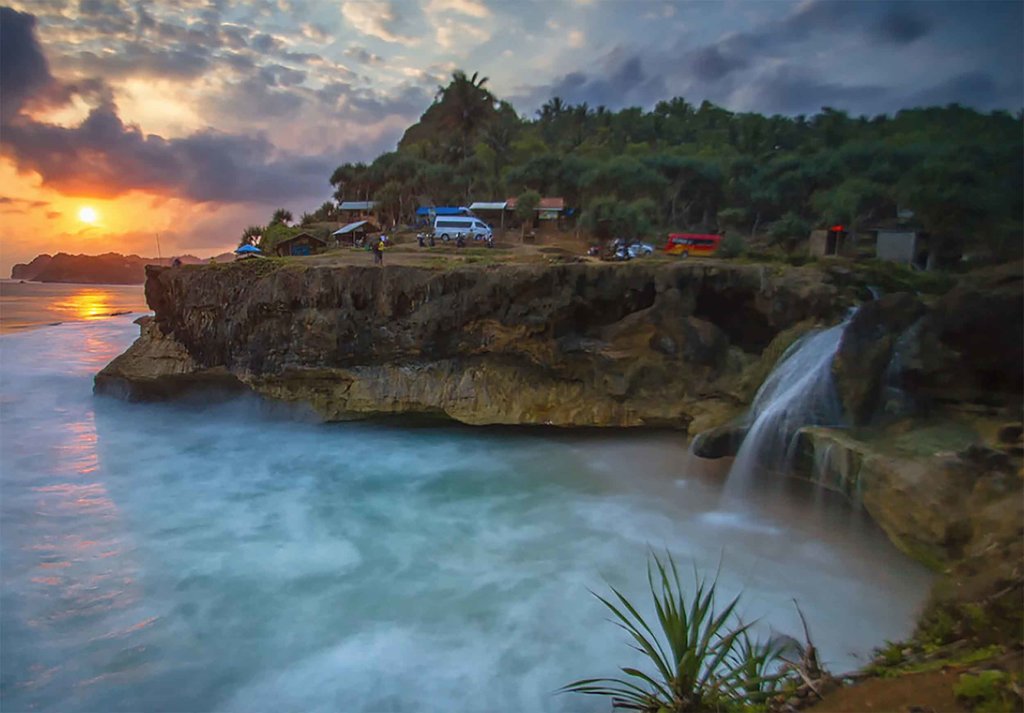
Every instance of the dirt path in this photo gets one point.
(930, 692)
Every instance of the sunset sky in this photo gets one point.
(190, 120)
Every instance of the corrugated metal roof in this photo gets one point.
(546, 204)
(486, 205)
(357, 205)
(346, 229)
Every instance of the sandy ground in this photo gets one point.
(446, 255)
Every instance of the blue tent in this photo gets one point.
(442, 210)
(248, 250)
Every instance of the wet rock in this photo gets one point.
(866, 349)
(575, 344)
(720, 442)
(939, 507)
(971, 343)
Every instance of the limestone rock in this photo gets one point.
(656, 343)
(866, 349)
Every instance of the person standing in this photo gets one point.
(378, 256)
(380, 249)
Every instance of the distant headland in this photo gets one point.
(109, 268)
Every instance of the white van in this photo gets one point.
(449, 227)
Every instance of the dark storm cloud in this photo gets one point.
(711, 63)
(626, 82)
(902, 26)
(768, 68)
(975, 89)
(24, 72)
(104, 157)
(791, 90)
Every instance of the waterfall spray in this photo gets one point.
(800, 391)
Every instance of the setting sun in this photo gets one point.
(87, 214)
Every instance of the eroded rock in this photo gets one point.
(653, 344)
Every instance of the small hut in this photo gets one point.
(355, 233)
(837, 241)
(301, 244)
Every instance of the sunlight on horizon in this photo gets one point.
(88, 214)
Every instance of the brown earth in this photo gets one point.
(912, 693)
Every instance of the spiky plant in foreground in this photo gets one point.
(710, 664)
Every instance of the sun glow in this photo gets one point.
(87, 214)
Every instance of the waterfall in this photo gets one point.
(800, 391)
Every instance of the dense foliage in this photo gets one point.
(702, 167)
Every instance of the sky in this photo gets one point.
(182, 122)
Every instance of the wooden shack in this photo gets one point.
(356, 233)
(836, 241)
(301, 244)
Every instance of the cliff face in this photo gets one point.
(665, 344)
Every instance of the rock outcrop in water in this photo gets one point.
(106, 269)
(666, 344)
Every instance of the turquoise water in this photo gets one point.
(234, 558)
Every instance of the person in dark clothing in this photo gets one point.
(378, 256)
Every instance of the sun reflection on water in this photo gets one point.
(89, 304)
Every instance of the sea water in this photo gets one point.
(230, 557)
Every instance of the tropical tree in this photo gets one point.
(465, 105)
(526, 209)
(251, 235)
(389, 203)
(281, 216)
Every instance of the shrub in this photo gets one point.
(790, 229)
(732, 245)
(986, 692)
(704, 658)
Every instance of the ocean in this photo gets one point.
(24, 305)
(236, 557)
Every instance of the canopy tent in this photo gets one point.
(248, 250)
(354, 231)
(351, 227)
(489, 205)
(442, 210)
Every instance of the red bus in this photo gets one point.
(695, 244)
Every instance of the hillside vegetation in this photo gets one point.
(681, 166)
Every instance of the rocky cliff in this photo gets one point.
(582, 344)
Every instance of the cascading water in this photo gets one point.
(799, 392)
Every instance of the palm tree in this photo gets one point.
(281, 216)
(251, 235)
(465, 106)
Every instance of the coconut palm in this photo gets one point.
(465, 106)
(281, 216)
